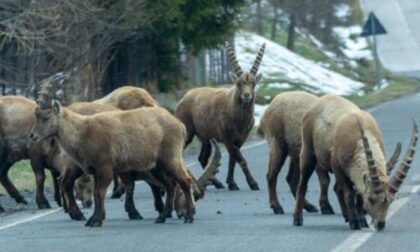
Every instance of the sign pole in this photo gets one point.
(377, 63)
(373, 27)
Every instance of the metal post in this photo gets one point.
(375, 55)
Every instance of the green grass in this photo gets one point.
(23, 177)
(398, 87)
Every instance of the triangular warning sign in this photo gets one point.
(372, 26)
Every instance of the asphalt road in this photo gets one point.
(233, 221)
(399, 50)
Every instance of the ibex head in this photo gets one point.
(199, 185)
(47, 111)
(377, 196)
(245, 82)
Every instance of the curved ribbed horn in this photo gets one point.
(212, 167)
(233, 61)
(45, 94)
(399, 176)
(257, 61)
(372, 170)
(394, 159)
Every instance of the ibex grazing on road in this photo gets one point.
(226, 115)
(337, 134)
(120, 142)
(281, 127)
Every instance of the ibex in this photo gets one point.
(281, 127)
(128, 97)
(224, 114)
(16, 120)
(120, 142)
(125, 98)
(337, 134)
(54, 157)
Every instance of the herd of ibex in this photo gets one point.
(126, 136)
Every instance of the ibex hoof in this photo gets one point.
(363, 222)
(188, 219)
(218, 185)
(43, 204)
(327, 210)
(21, 200)
(310, 208)
(78, 216)
(58, 201)
(94, 221)
(297, 221)
(232, 186)
(134, 215)
(160, 220)
(354, 224)
(278, 210)
(117, 194)
(254, 186)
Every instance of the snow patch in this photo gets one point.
(354, 46)
(342, 11)
(258, 112)
(283, 85)
(278, 62)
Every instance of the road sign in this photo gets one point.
(372, 27)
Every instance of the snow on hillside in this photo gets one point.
(285, 66)
(354, 46)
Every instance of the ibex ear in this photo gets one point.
(258, 78)
(56, 107)
(233, 77)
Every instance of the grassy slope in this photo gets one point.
(23, 177)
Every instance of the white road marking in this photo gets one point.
(39, 214)
(42, 213)
(356, 240)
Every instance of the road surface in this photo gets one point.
(399, 50)
(234, 221)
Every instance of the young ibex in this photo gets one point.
(226, 115)
(337, 134)
(111, 142)
(126, 98)
(281, 126)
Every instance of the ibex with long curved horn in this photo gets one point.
(336, 133)
(224, 114)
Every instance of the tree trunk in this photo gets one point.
(258, 21)
(274, 23)
(291, 32)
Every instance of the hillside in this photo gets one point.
(284, 70)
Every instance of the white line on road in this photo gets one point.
(39, 214)
(42, 213)
(356, 240)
